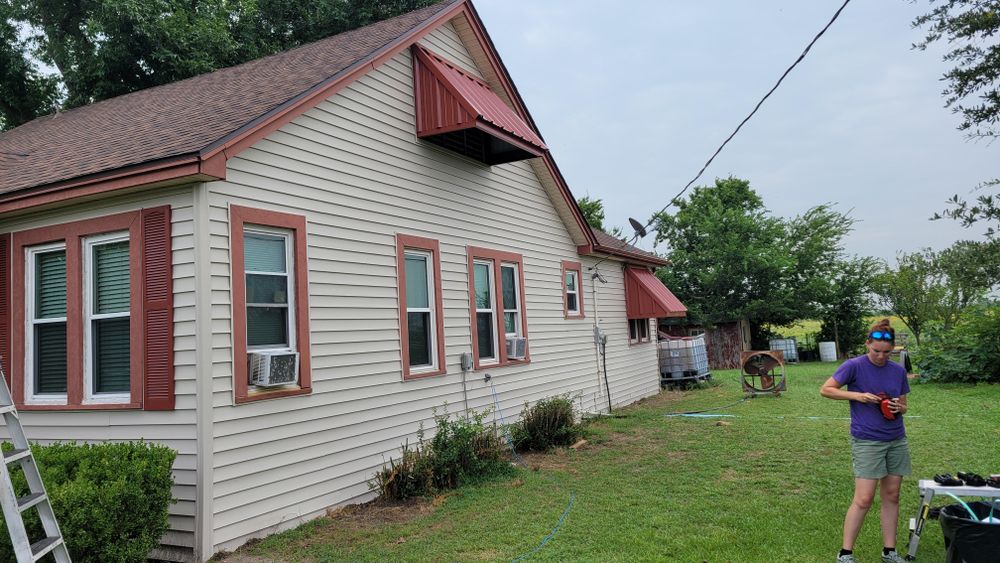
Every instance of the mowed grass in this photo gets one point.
(769, 484)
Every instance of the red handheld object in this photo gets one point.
(884, 406)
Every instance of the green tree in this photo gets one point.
(971, 28)
(913, 291)
(847, 303)
(732, 259)
(972, 88)
(970, 269)
(24, 92)
(929, 286)
(986, 207)
(105, 48)
(593, 211)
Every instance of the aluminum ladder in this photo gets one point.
(13, 506)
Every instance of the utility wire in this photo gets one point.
(757, 107)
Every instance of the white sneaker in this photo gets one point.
(893, 557)
(845, 558)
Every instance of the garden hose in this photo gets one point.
(521, 462)
(681, 413)
(967, 508)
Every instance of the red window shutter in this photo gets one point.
(5, 306)
(157, 310)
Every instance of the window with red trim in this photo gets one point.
(638, 331)
(82, 328)
(572, 289)
(270, 302)
(421, 318)
(496, 307)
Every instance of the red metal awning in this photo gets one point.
(450, 101)
(647, 297)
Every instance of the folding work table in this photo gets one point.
(928, 488)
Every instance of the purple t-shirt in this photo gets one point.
(861, 375)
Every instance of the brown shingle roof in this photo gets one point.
(619, 247)
(184, 117)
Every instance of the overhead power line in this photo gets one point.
(747, 118)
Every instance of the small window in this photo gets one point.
(267, 260)
(270, 293)
(421, 327)
(420, 315)
(107, 319)
(638, 330)
(572, 289)
(46, 336)
(485, 312)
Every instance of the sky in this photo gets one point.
(633, 100)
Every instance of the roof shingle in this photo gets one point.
(612, 243)
(187, 116)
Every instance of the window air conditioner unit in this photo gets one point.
(270, 369)
(517, 347)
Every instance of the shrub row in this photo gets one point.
(968, 352)
(463, 450)
(110, 500)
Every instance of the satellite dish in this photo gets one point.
(638, 227)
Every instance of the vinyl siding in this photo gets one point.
(174, 429)
(354, 168)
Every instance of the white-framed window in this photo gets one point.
(511, 299)
(486, 321)
(45, 334)
(421, 318)
(268, 265)
(572, 292)
(638, 330)
(107, 319)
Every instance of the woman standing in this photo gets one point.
(877, 390)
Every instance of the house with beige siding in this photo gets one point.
(280, 270)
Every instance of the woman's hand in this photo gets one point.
(867, 398)
(897, 407)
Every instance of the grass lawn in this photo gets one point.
(770, 485)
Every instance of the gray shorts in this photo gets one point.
(873, 459)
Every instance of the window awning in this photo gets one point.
(647, 297)
(460, 112)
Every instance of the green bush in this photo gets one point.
(969, 352)
(460, 451)
(411, 475)
(110, 500)
(550, 422)
(466, 449)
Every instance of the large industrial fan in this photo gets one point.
(763, 372)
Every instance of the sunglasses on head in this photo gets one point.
(881, 335)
